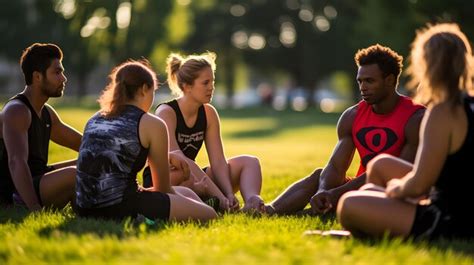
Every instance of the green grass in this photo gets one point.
(290, 145)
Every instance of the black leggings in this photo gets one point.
(153, 205)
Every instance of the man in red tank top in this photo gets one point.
(382, 122)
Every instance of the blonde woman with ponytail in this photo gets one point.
(117, 142)
(191, 121)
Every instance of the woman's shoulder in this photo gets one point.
(211, 112)
(444, 114)
(165, 110)
(150, 121)
(443, 109)
(210, 109)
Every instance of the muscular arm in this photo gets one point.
(334, 173)
(63, 134)
(16, 121)
(412, 132)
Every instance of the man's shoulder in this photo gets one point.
(17, 108)
(347, 118)
(350, 112)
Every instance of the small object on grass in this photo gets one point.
(328, 233)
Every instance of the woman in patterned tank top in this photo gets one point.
(441, 64)
(116, 144)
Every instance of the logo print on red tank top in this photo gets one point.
(376, 140)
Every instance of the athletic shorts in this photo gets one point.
(36, 186)
(153, 205)
(16, 199)
(431, 222)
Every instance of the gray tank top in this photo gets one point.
(110, 157)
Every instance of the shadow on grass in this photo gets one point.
(129, 227)
(11, 214)
(457, 246)
(103, 228)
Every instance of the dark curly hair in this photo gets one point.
(388, 60)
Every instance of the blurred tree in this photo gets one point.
(394, 23)
(308, 40)
(212, 27)
(113, 31)
(90, 33)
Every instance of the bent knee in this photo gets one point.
(250, 160)
(375, 166)
(69, 170)
(345, 208)
(69, 174)
(313, 179)
(379, 160)
(210, 214)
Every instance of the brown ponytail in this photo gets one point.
(124, 82)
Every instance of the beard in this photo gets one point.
(52, 91)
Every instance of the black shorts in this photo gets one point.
(15, 198)
(432, 222)
(153, 205)
(36, 186)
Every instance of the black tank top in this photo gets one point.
(39, 134)
(189, 139)
(110, 157)
(455, 183)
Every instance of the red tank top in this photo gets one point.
(375, 134)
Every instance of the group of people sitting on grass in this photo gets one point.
(413, 181)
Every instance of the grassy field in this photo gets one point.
(289, 145)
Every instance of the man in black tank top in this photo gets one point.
(27, 124)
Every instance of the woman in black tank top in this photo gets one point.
(440, 63)
(116, 143)
(192, 121)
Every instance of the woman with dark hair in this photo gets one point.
(441, 64)
(192, 120)
(116, 144)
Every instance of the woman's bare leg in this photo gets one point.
(385, 167)
(372, 213)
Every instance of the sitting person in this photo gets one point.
(27, 125)
(382, 122)
(441, 64)
(192, 121)
(116, 144)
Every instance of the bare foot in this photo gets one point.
(254, 204)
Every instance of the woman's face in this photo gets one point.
(202, 89)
